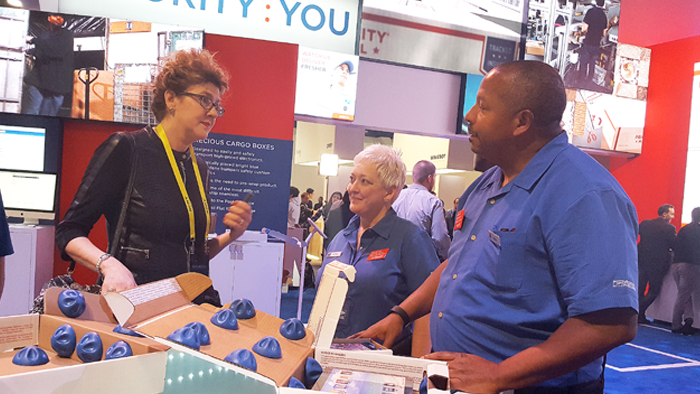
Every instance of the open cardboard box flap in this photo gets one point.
(152, 299)
(159, 308)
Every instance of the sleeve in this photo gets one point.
(5, 239)
(101, 191)
(594, 255)
(418, 258)
(441, 238)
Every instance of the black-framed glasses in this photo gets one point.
(206, 103)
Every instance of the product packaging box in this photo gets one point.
(323, 321)
(141, 373)
(157, 309)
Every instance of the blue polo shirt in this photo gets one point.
(557, 241)
(394, 258)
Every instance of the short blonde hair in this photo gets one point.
(390, 168)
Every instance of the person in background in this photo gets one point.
(656, 239)
(319, 204)
(5, 244)
(338, 218)
(594, 25)
(310, 198)
(335, 200)
(51, 78)
(450, 216)
(167, 222)
(294, 210)
(686, 273)
(541, 278)
(305, 210)
(392, 256)
(419, 205)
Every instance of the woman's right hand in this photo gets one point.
(385, 330)
(116, 276)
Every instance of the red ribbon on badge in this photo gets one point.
(378, 254)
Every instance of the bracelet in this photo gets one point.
(100, 260)
(402, 313)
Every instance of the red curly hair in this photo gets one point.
(182, 70)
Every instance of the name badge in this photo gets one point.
(335, 254)
(495, 238)
(378, 255)
(459, 221)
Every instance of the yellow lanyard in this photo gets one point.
(183, 190)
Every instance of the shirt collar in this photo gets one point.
(417, 186)
(539, 164)
(383, 228)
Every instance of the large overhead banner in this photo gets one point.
(322, 24)
(461, 36)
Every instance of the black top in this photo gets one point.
(597, 22)
(155, 245)
(656, 238)
(688, 244)
(54, 63)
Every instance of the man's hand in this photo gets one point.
(469, 373)
(385, 330)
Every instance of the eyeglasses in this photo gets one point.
(206, 103)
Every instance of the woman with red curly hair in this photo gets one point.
(167, 221)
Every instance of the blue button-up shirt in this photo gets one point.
(394, 258)
(557, 241)
(417, 205)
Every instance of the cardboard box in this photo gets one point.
(157, 309)
(324, 320)
(145, 370)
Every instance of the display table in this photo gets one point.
(28, 269)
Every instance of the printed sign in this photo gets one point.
(240, 165)
(326, 84)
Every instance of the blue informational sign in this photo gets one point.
(239, 165)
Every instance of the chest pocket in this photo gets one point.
(511, 261)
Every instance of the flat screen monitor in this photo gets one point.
(28, 195)
(30, 151)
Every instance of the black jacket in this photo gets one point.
(154, 245)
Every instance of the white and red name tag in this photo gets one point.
(378, 254)
(459, 221)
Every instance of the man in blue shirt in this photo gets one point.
(541, 277)
(419, 206)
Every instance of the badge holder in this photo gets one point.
(303, 245)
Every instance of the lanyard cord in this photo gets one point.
(185, 196)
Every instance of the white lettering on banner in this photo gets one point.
(322, 24)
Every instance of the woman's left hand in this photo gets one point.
(238, 218)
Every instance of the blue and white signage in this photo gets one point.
(323, 24)
(239, 165)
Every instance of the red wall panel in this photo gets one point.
(260, 100)
(657, 176)
(652, 22)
